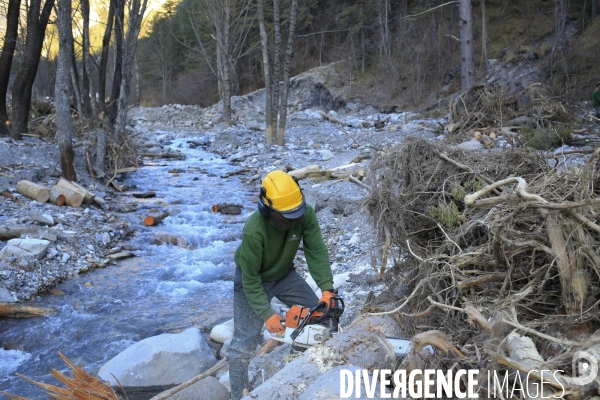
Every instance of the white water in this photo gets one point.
(165, 288)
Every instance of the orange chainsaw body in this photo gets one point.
(297, 313)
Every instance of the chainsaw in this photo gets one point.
(306, 327)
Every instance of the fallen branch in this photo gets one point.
(13, 198)
(521, 186)
(21, 311)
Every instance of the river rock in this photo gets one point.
(222, 332)
(6, 296)
(167, 359)
(225, 381)
(225, 348)
(470, 145)
(25, 248)
(42, 219)
(207, 388)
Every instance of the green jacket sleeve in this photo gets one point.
(250, 262)
(315, 251)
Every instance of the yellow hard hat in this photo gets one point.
(280, 192)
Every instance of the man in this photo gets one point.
(264, 269)
(596, 102)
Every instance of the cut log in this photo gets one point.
(88, 196)
(180, 156)
(227, 208)
(331, 118)
(21, 311)
(153, 219)
(57, 198)
(13, 232)
(144, 195)
(233, 173)
(73, 199)
(301, 173)
(33, 191)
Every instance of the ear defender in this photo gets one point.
(263, 209)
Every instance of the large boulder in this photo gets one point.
(25, 248)
(167, 359)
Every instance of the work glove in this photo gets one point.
(274, 324)
(326, 297)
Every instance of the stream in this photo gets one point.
(181, 276)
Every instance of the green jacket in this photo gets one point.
(267, 254)
(596, 98)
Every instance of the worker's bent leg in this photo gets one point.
(246, 336)
(293, 290)
(597, 114)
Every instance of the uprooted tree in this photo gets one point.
(489, 243)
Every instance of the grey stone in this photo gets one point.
(470, 145)
(225, 381)
(25, 248)
(207, 388)
(355, 239)
(167, 359)
(6, 296)
(44, 219)
(326, 155)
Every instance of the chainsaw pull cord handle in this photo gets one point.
(304, 321)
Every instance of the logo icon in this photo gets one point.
(585, 368)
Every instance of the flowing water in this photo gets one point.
(168, 287)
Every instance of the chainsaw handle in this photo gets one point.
(302, 323)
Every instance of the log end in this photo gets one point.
(60, 200)
(149, 220)
(43, 196)
(214, 208)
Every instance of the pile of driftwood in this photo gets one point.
(489, 105)
(498, 252)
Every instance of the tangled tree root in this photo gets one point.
(491, 243)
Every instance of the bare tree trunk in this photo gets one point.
(467, 69)
(85, 89)
(99, 163)
(118, 73)
(91, 92)
(363, 61)
(289, 54)
(6, 57)
(384, 32)
(276, 62)
(104, 58)
(137, 82)
(225, 59)
(137, 9)
(594, 8)
(75, 85)
(21, 89)
(64, 124)
(266, 70)
(484, 41)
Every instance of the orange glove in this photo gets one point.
(274, 324)
(326, 297)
